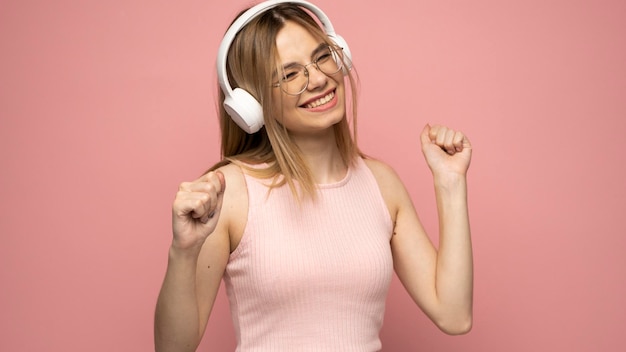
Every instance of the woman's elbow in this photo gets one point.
(457, 326)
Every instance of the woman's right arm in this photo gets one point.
(197, 258)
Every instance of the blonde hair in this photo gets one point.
(251, 64)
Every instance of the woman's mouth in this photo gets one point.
(321, 101)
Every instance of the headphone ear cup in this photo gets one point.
(340, 42)
(244, 110)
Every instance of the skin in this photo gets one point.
(295, 45)
(209, 215)
(312, 128)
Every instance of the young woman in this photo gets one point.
(304, 229)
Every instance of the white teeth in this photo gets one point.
(320, 101)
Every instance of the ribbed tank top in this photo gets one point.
(312, 276)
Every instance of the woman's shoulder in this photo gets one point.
(236, 185)
(235, 202)
(231, 170)
(391, 186)
(382, 171)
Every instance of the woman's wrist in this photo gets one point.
(178, 253)
(450, 182)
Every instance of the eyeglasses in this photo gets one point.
(294, 78)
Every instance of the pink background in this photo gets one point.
(106, 106)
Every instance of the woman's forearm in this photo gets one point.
(176, 324)
(454, 279)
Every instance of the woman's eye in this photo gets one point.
(290, 75)
(323, 57)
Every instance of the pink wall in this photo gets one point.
(106, 106)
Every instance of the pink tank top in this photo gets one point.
(312, 276)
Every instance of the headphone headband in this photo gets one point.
(238, 103)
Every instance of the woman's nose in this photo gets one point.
(317, 78)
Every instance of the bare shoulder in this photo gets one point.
(385, 175)
(235, 204)
(380, 168)
(233, 176)
(390, 184)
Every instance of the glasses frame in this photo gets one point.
(335, 50)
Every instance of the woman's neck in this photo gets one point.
(323, 158)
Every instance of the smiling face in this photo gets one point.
(322, 104)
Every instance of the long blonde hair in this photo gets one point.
(251, 64)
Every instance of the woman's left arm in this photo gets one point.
(440, 280)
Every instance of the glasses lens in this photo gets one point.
(330, 60)
(294, 79)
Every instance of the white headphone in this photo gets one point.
(242, 107)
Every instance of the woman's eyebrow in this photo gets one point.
(319, 48)
(315, 51)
